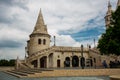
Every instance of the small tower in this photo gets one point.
(118, 3)
(108, 15)
(39, 39)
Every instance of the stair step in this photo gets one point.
(28, 72)
(18, 73)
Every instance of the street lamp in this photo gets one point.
(54, 41)
(82, 58)
(82, 50)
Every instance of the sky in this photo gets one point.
(73, 22)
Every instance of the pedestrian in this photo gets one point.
(104, 64)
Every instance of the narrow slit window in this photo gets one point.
(39, 41)
(44, 41)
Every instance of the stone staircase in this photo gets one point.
(40, 53)
(27, 72)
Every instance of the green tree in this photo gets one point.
(12, 62)
(109, 43)
(4, 62)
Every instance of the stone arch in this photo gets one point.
(82, 62)
(75, 61)
(91, 62)
(67, 62)
(43, 62)
(50, 60)
(58, 63)
(34, 63)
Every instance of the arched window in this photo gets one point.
(39, 41)
(44, 41)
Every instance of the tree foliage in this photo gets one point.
(109, 43)
(4, 62)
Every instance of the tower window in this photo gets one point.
(44, 41)
(39, 41)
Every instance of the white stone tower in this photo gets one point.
(118, 3)
(108, 15)
(39, 39)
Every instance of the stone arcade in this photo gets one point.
(42, 55)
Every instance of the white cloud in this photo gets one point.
(12, 53)
(12, 34)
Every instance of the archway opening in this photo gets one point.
(82, 62)
(43, 62)
(58, 63)
(91, 62)
(67, 62)
(34, 63)
(75, 61)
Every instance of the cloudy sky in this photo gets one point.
(73, 22)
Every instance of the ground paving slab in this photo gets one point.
(63, 72)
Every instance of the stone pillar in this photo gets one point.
(47, 62)
(79, 62)
(71, 62)
(38, 63)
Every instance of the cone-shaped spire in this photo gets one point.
(118, 3)
(40, 27)
(40, 18)
(109, 5)
(108, 15)
(109, 8)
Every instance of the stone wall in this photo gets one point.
(77, 72)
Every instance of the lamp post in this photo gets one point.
(25, 54)
(94, 44)
(82, 58)
(82, 50)
(54, 41)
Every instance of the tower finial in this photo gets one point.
(40, 18)
(109, 4)
(108, 15)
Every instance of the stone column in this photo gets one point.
(79, 62)
(47, 62)
(38, 63)
(71, 62)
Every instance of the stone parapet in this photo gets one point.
(115, 77)
(77, 72)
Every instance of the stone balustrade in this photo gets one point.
(71, 49)
(55, 48)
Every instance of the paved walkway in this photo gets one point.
(64, 72)
(4, 76)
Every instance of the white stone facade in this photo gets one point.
(41, 55)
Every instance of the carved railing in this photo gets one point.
(95, 51)
(52, 49)
(70, 49)
(40, 53)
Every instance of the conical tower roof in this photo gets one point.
(40, 27)
(109, 4)
(109, 8)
